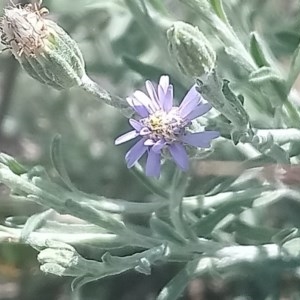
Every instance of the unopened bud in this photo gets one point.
(61, 259)
(191, 49)
(44, 49)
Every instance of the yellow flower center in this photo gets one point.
(164, 125)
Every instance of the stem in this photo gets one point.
(149, 184)
(94, 89)
(175, 206)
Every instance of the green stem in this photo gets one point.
(149, 184)
(175, 207)
(94, 89)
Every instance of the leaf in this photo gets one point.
(159, 6)
(174, 288)
(217, 6)
(273, 90)
(146, 70)
(287, 40)
(270, 84)
(244, 66)
(234, 105)
(285, 235)
(14, 166)
(34, 222)
(252, 233)
(219, 184)
(268, 198)
(141, 262)
(294, 149)
(15, 221)
(58, 164)
(265, 74)
(165, 231)
(151, 27)
(107, 258)
(144, 266)
(152, 73)
(92, 215)
(207, 224)
(292, 247)
(279, 154)
(79, 282)
(294, 69)
(258, 51)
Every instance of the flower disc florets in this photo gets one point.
(162, 127)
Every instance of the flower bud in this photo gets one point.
(44, 49)
(190, 48)
(61, 259)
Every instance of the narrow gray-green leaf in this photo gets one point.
(258, 51)
(174, 288)
(165, 231)
(14, 166)
(79, 282)
(265, 74)
(294, 69)
(217, 6)
(34, 222)
(58, 164)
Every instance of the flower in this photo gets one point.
(162, 126)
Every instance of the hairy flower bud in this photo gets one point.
(190, 48)
(61, 259)
(44, 49)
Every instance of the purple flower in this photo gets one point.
(162, 126)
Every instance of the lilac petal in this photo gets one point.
(200, 139)
(144, 131)
(191, 100)
(152, 93)
(180, 156)
(135, 153)
(165, 93)
(136, 124)
(158, 146)
(126, 137)
(153, 164)
(138, 107)
(149, 142)
(164, 82)
(167, 102)
(145, 101)
(199, 111)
